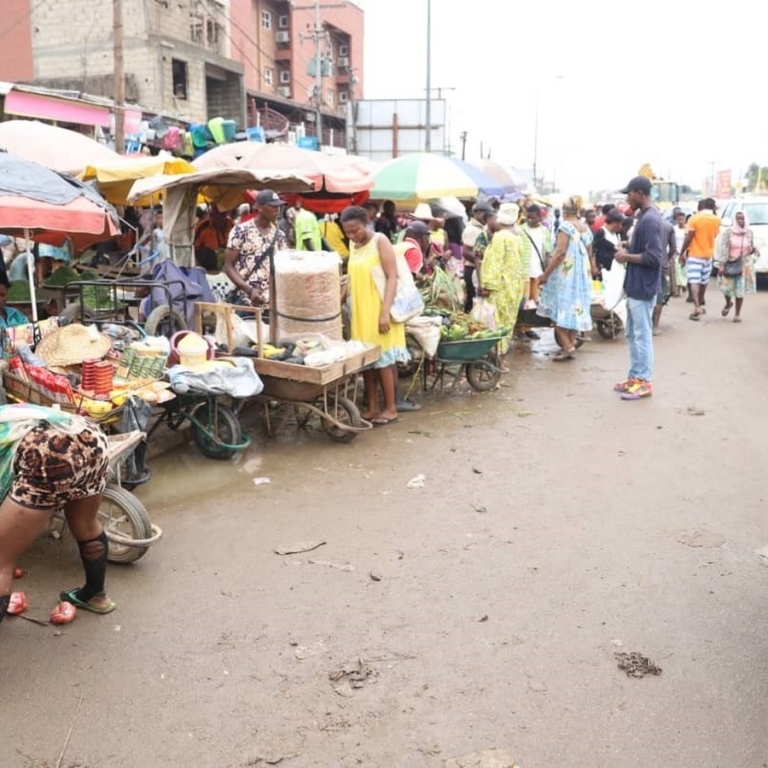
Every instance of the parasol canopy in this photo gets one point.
(115, 178)
(56, 148)
(337, 174)
(421, 177)
(510, 180)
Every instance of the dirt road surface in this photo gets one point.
(557, 526)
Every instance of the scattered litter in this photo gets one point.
(261, 481)
(302, 652)
(481, 510)
(483, 618)
(488, 758)
(477, 471)
(301, 546)
(350, 677)
(696, 411)
(420, 432)
(636, 665)
(704, 539)
(332, 564)
(537, 686)
(617, 642)
(416, 482)
(375, 576)
(524, 414)
(762, 553)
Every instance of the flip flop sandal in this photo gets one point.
(694, 316)
(381, 422)
(726, 310)
(71, 597)
(736, 319)
(562, 357)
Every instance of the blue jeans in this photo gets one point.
(640, 338)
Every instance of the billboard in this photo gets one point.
(385, 128)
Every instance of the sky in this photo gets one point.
(659, 82)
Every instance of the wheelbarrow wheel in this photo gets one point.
(120, 511)
(610, 328)
(482, 375)
(345, 412)
(164, 321)
(222, 430)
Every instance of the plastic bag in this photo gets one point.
(425, 329)
(483, 311)
(613, 280)
(244, 332)
(237, 380)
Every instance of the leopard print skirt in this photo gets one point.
(51, 468)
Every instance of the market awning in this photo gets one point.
(50, 108)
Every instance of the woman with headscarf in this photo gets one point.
(566, 295)
(505, 268)
(736, 265)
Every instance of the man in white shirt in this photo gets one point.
(480, 212)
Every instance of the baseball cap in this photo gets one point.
(418, 228)
(638, 184)
(269, 197)
(482, 206)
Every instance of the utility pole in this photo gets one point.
(463, 137)
(119, 74)
(317, 33)
(428, 139)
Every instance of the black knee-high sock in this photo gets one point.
(4, 602)
(94, 554)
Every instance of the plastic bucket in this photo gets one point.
(189, 348)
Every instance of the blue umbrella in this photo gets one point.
(486, 185)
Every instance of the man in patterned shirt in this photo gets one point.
(250, 244)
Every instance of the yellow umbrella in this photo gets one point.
(116, 179)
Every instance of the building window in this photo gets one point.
(330, 97)
(179, 74)
(266, 20)
(212, 34)
(343, 50)
(269, 76)
(282, 22)
(285, 76)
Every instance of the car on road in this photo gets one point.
(755, 210)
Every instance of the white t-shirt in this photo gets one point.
(537, 234)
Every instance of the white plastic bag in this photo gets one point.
(613, 280)
(244, 332)
(484, 312)
(426, 330)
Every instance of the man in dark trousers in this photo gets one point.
(642, 284)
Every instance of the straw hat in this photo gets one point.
(72, 344)
(508, 214)
(423, 211)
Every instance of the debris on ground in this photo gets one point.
(350, 677)
(333, 564)
(375, 576)
(416, 482)
(488, 758)
(636, 665)
(704, 539)
(302, 652)
(261, 481)
(301, 546)
(524, 414)
(696, 411)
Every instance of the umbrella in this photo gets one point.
(56, 148)
(486, 184)
(345, 174)
(422, 177)
(508, 178)
(35, 201)
(115, 178)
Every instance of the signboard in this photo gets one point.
(723, 187)
(387, 128)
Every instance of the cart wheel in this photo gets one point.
(406, 370)
(75, 313)
(610, 328)
(345, 412)
(222, 427)
(122, 512)
(164, 321)
(482, 376)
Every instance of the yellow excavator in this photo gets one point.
(666, 194)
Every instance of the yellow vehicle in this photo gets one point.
(666, 194)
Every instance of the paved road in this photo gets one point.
(554, 529)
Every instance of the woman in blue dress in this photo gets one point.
(566, 284)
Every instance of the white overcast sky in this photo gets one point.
(659, 81)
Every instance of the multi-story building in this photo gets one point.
(176, 53)
(246, 60)
(277, 42)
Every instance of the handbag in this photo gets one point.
(408, 302)
(232, 296)
(734, 268)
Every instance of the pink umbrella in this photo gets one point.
(56, 148)
(340, 174)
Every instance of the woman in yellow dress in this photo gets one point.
(504, 269)
(370, 320)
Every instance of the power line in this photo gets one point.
(23, 18)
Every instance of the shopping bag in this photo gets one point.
(408, 302)
(484, 312)
(613, 279)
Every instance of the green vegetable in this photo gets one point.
(19, 291)
(62, 276)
